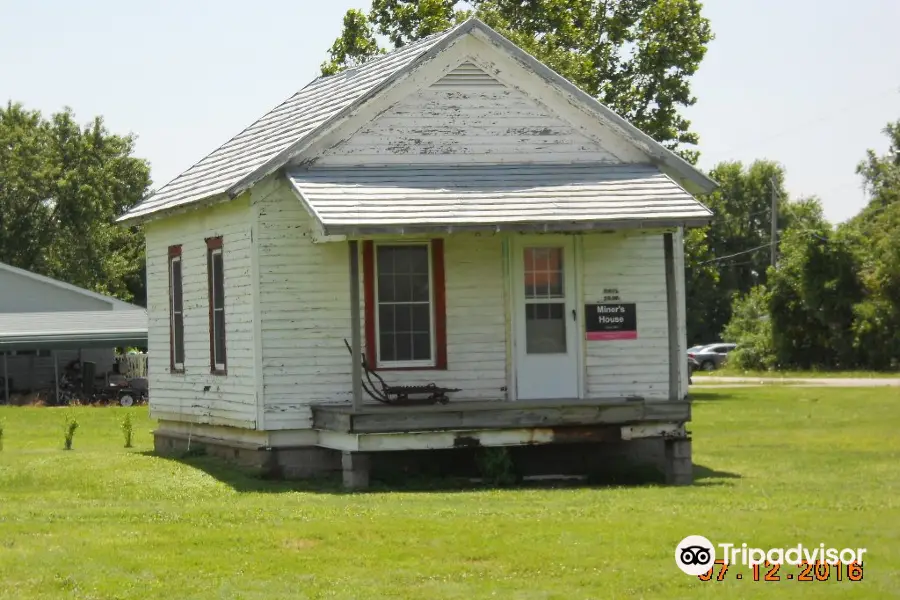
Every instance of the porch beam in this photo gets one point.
(355, 326)
(672, 316)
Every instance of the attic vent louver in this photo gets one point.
(467, 75)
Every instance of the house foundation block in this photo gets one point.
(278, 463)
(679, 467)
(356, 468)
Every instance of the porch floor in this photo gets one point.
(497, 414)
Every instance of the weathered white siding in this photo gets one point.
(197, 395)
(468, 116)
(305, 315)
(633, 264)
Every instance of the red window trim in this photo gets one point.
(214, 243)
(440, 307)
(175, 252)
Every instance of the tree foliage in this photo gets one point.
(61, 187)
(742, 207)
(751, 328)
(834, 300)
(636, 56)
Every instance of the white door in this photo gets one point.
(546, 323)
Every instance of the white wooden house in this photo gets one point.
(465, 217)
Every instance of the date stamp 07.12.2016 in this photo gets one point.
(696, 555)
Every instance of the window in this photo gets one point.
(176, 312)
(216, 280)
(545, 301)
(405, 306)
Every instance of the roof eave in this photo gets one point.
(185, 207)
(562, 226)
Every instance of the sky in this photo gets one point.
(807, 83)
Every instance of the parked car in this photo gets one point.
(693, 365)
(712, 356)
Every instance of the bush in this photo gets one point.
(751, 329)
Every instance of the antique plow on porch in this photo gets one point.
(400, 394)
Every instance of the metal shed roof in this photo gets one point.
(547, 197)
(81, 329)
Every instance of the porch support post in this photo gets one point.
(355, 327)
(56, 373)
(5, 379)
(672, 317)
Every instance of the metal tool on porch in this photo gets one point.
(400, 394)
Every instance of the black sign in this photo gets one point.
(610, 321)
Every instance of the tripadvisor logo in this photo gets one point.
(695, 555)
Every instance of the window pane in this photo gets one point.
(178, 330)
(218, 281)
(386, 318)
(419, 284)
(403, 323)
(386, 341)
(545, 328)
(421, 317)
(403, 346)
(219, 318)
(176, 285)
(421, 346)
(386, 288)
(402, 288)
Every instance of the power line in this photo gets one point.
(766, 245)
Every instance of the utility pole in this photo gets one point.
(774, 219)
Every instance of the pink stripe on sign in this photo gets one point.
(611, 335)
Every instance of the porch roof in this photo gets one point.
(373, 200)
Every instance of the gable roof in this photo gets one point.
(114, 302)
(269, 143)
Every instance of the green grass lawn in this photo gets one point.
(776, 466)
(727, 372)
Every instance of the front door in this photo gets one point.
(545, 320)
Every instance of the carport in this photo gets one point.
(78, 330)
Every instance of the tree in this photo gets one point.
(876, 236)
(813, 293)
(61, 188)
(636, 56)
(737, 243)
(834, 299)
(750, 328)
